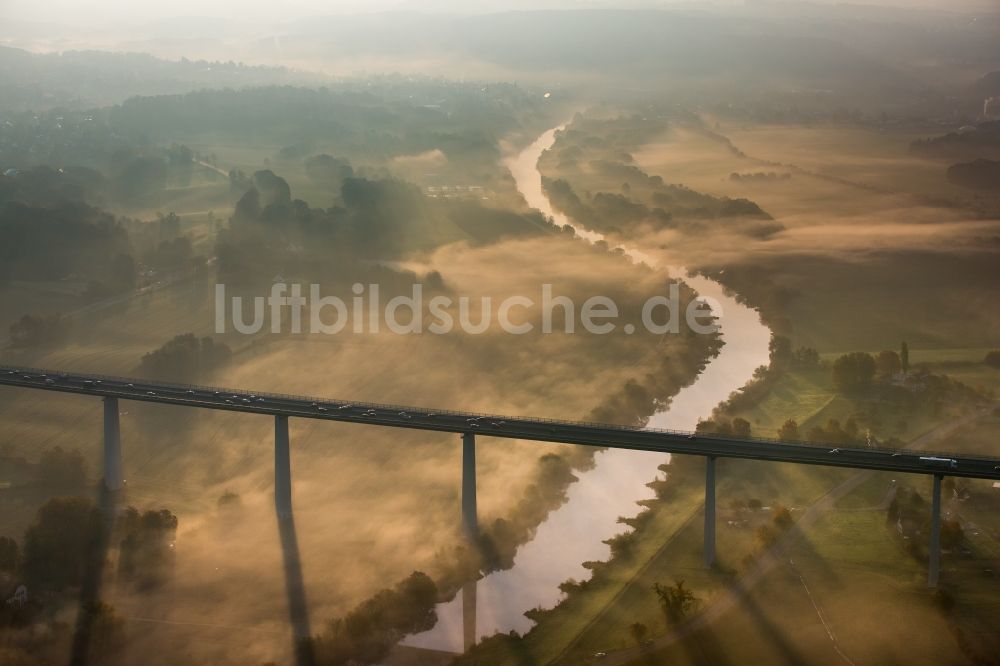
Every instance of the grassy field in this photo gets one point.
(672, 550)
(868, 230)
(852, 171)
(848, 556)
(351, 547)
(112, 340)
(981, 437)
(816, 593)
(965, 365)
(21, 298)
(808, 397)
(687, 156)
(595, 609)
(877, 158)
(597, 617)
(849, 584)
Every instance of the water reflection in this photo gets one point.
(469, 637)
(575, 532)
(571, 535)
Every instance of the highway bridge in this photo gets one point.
(537, 429)
(469, 425)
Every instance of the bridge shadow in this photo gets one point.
(767, 630)
(91, 584)
(804, 554)
(704, 647)
(298, 612)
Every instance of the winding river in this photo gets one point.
(574, 533)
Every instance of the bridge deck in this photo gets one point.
(537, 429)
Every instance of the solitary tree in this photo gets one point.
(789, 431)
(676, 601)
(639, 632)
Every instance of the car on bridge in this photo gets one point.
(935, 461)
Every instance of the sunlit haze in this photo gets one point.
(499, 333)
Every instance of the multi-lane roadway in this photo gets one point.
(421, 418)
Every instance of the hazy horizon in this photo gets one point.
(93, 14)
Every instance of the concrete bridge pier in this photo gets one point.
(112, 481)
(934, 549)
(298, 611)
(470, 520)
(710, 511)
(282, 469)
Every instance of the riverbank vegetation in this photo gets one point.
(333, 211)
(593, 179)
(811, 390)
(758, 503)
